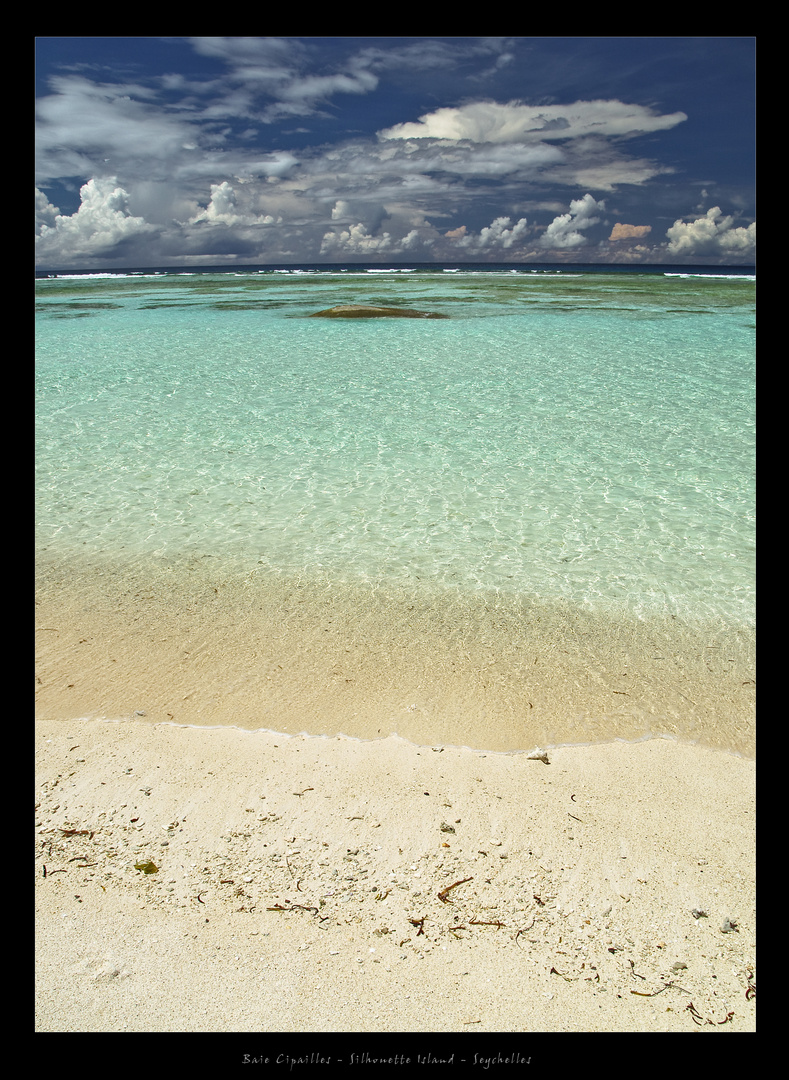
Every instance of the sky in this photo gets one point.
(162, 151)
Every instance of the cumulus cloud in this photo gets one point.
(355, 241)
(501, 233)
(711, 235)
(413, 241)
(565, 230)
(423, 239)
(629, 232)
(222, 206)
(514, 122)
(369, 213)
(46, 213)
(635, 253)
(223, 209)
(102, 223)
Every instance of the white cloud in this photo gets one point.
(319, 87)
(228, 209)
(492, 122)
(280, 163)
(93, 122)
(564, 231)
(275, 67)
(367, 212)
(576, 145)
(221, 209)
(598, 164)
(501, 233)
(46, 213)
(416, 55)
(258, 53)
(711, 235)
(87, 129)
(412, 241)
(486, 160)
(355, 241)
(102, 222)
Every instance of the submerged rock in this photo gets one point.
(368, 311)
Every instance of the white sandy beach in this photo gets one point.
(309, 884)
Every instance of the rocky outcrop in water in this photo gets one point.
(368, 311)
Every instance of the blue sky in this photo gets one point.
(239, 150)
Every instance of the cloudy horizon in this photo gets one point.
(238, 151)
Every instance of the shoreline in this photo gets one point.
(220, 647)
(329, 884)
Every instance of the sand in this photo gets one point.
(315, 885)
(207, 643)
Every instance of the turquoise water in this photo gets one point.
(572, 437)
(584, 438)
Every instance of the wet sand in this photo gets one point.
(212, 644)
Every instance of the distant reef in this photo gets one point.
(368, 311)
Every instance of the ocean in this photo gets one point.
(528, 523)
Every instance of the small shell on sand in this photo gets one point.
(538, 755)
